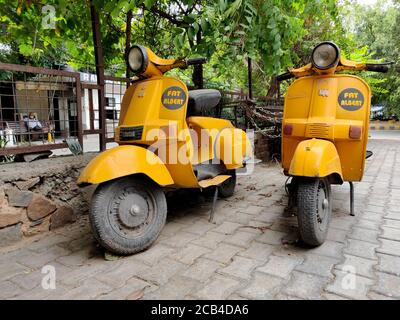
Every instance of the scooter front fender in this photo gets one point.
(124, 161)
(316, 158)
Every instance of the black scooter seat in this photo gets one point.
(202, 100)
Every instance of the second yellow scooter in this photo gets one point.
(324, 135)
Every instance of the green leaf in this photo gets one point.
(149, 3)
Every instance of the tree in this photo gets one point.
(376, 28)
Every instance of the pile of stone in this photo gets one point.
(26, 213)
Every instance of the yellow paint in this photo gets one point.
(125, 161)
(315, 158)
(216, 181)
(312, 108)
(223, 141)
(157, 106)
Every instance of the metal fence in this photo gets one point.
(39, 108)
(44, 109)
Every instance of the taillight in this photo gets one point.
(288, 129)
(355, 132)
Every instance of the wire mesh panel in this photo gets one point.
(115, 88)
(39, 108)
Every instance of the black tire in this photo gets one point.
(314, 210)
(122, 230)
(227, 188)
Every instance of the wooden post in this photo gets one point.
(250, 83)
(250, 77)
(98, 53)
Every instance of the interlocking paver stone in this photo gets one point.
(306, 286)
(224, 253)
(177, 288)
(361, 249)
(364, 235)
(257, 251)
(350, 285)
(210, 240)
(240, 268)
(132, 285)
(119, 275)
(389, 264)
(154, 255)
(219, 287)
(240, 239)
(271, 237)
(390, 234)
(190, 253)
(280, 266)
(227, 227)
(160, 273)
(318, 265)
(363, 267)
(202, 270)
(389, 247)
(262, 286)
(249, 252)
(388, 285)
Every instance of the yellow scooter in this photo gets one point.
(164, 144)
(324, 135)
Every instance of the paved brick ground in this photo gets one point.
(251, 252)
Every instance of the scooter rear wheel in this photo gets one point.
(227, 188)
(128, 214)
(314, 210)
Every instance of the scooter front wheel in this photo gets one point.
(314, 209)
(128, 214)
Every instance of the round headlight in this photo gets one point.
(138, 59)
(325, 55)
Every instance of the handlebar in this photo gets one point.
(285, 76)
(195, 61)
(378, 67)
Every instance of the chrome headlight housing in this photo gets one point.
(138, 59)
(325, 55)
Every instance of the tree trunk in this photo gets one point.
(197, 75)
(128, 40)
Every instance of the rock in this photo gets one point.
(61, 217)
(3, 200)
(27, 184)
(35, 228)
(18, 198)
(40, 207)
(10, 216)
(9, 235)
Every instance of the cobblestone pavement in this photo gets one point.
(250, 252)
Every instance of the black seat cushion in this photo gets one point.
(202, 100)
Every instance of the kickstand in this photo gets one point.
(213, 205)
(352, 199)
